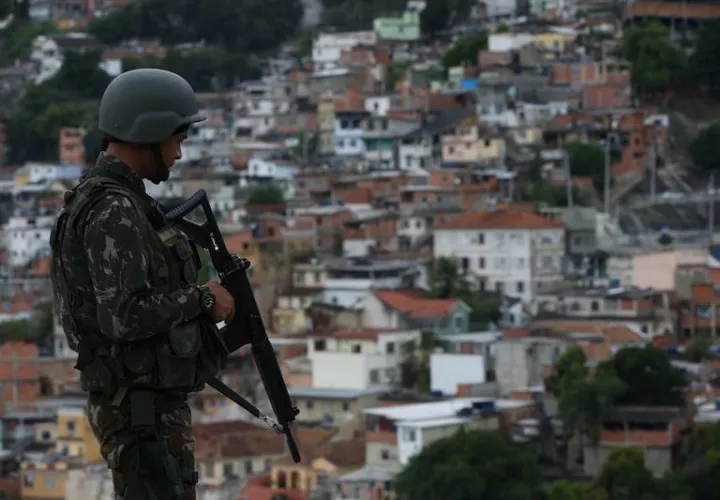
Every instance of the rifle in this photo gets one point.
(247, 325)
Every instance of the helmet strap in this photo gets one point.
(162, 172)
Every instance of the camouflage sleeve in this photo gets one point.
(119, 264)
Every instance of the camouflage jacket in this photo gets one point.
(116, 256)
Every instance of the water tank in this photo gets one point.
(484, 406)
(465, 412)
(717, 404)
(614, 283)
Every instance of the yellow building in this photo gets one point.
(289, 314)
(331, 459)
(74, 436)
(45, 476)
(556, 42)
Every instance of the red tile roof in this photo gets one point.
(410, 303)
(500, 219)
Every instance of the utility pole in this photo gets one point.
(653, 170)
(568, 181)
(606, 187)
(711, 209)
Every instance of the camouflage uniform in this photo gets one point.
(124, 284)
(111, 426)
(121, 257)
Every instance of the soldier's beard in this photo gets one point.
(161, 173)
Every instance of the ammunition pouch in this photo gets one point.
(98, 370)
(183, 359)
(177, 357)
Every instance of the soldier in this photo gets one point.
(125, 292)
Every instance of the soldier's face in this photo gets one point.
(171, 149)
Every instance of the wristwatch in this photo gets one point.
(206, 298)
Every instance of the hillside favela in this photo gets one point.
(484, 240)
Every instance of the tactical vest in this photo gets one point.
(181, 360)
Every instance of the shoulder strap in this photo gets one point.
(87, 195)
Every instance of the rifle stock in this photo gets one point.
(247, 325)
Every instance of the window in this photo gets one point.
(385, 454)
(356, 348)
(46, 436)
(71, 427)
(374, 377)
(227, 471)
(210, 470)
(465, 263)
(320, 345)
(390, 347)
(481, 262)
(248, 467)
(317, 273)
(346, 406)
(499, 286)
(408, 434)
(594, 306)
(310, 404)
(547, 262)
(459, 322)
(481, 239)
(29, 479)
(520, 287)
(50, 482)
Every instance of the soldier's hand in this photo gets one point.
(224, 309)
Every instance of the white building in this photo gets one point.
(27, 238)
(419, 425)
(506, 42)
(415, 151)
(258, 104)
(358, 359)
(49, 172)
(349, 133)
(512, 251)
(47, 54)
(328, 47)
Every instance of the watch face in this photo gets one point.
(208, 301)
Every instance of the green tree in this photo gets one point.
(624, 476)
(240, 27)
(648, 376)
(81, 76)
(705, 148)
(469, 466)
(33, 129)
(587, 159)
(705, 60)
(464, 52)
(358, 14)
(209, 69)
(439, 16)
(656, 62)
(16, 40)
(415, 364)
(446, 281)
(583, 400)
(266, 195)
(565, 490)
(701, 471)
(665, 239)
(92, 143)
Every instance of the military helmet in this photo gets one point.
(146, 106)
